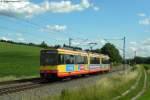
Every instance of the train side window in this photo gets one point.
(82, 59)
(97, 61)
(69, 59)
(91, 60)
(61, 59)
(94, 60)
(72, 60)
(85, 60)
(79, 59)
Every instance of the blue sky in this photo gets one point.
(54, 21)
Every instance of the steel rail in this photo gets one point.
(15, 86)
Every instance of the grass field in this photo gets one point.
(106, 89)
(18, 60)
(146, 95)
(138, 89)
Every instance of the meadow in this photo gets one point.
(146, 95)
(106, 88)
(19, 60)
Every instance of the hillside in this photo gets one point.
(18, 60)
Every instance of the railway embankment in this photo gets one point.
(121, 86)
(145, 94)
(54, 88)
(137, 89)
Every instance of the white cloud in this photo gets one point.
(80, 42)
(21, 39)
(102, 42)
(146, 42)
(5, 38)
(133, 49)
(66, 6)
(142, 48)
(99, 41)
(27, 9)
(145, 21)
(133, 43)
(141, 14)
(96, 8)
(54, 28)
(19, 9)
(85, 4)
(75, 43)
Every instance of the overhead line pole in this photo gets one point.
(124, 49)
(70, 42)
(124, 52)
(135, 56)
(92, 44)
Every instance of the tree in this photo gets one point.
(110, 50)
(141, 60)
(44, 45)
(57, 46)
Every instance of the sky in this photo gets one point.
(85, 21)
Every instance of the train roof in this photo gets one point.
(77, 52)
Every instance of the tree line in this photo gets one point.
(42, 45)
(108, 49)
(139, 60)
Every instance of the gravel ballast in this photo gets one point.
(53, 88)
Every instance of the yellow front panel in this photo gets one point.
(61, 68)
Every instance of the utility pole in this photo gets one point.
(124, 52)
(70, 41)
(123, 49)
(135, 57)
(134, 54)
(92, 45)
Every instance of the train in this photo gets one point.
(61, 63)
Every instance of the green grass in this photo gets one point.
(146, 66)
(18, 60)
(105, 89)
(135, 91)
(146, 95)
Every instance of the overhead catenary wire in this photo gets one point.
(34, 25)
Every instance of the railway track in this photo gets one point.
(19, 81)
(22, 85)
(15, 86)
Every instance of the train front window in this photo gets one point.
(49, 59)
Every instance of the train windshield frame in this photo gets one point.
(48, 58)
